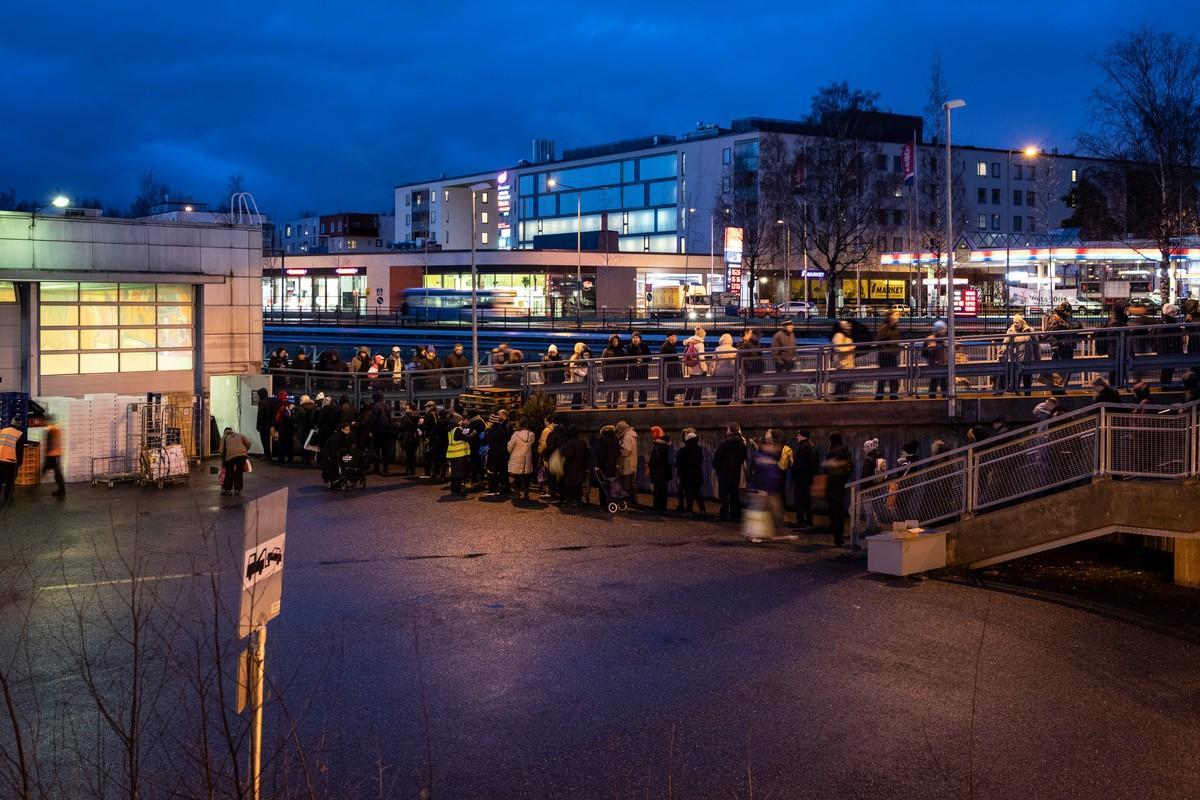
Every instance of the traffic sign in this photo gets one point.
(262, 561)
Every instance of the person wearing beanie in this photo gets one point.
(933, 350)
(553, 370)
(577, 372)
(800, 458)
(689, 469)
(659, 467)
(839, 468)
(639, 369)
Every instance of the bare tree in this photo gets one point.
(747, 203)
(1148, 111)
(150, 193)
(845, 186)
(939, 93)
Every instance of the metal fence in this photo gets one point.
(994, 364)
(1100, 440)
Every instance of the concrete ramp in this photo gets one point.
(1169, 508)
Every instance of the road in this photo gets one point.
(484, 650)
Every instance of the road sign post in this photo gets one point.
(264, 535)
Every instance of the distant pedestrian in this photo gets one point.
(887, 340)
(659, 466)
(264, 421)
(553, 371)
(574, 463)
(458, 455)
(52, 439)
(750, 353)
(669, 363)
(839, 467)
(800, 458)
(234, 453)
(496, 460)
(627, 438)
(783, 350)
(725, 368)
(933, 350)
(457, 363)
(639, 368)
(577, 373)
(843, 357)
(615, 368)
(694, 365)
(12, 456)
(728, 463)
(689, 469)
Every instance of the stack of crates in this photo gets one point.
(73, 416)
(13, 404)
(31, 466)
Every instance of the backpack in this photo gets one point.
(691, 355)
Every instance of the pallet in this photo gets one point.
(491, 399)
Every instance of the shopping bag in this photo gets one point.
(221, 476)
(249, 466)
(758, 523)
(310, 442)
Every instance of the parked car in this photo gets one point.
(762, 308)
(799, 308)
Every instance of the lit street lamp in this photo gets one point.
(553, 183)
(475, 188)
(60, 201)
(951, 392)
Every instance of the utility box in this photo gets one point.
(900, 554)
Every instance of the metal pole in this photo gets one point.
(257, 675)
(579, 250)
(804, 247)
(948, 247)
(787, 268)
(1007, 236)
(474, 303)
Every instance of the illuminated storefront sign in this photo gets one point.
(504, 210)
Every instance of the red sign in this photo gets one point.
(800, 173)
(966, 302)
(908, 162)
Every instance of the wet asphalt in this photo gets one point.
(480, 648)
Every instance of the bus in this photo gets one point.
(455, 304)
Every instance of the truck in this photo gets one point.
(685, 302)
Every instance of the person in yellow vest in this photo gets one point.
(12, 453)
(458, 452)
(52, 444)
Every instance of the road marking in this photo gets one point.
(123, 581)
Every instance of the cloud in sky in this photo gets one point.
(327, 106)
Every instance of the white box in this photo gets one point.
(895, 555)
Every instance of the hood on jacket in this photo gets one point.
(579, 348)
(608, 429)
(870, 444)
(621, 427)
(725, 341)
(552, 350)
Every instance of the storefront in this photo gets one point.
(315, 288)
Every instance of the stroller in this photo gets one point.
(612, 492)
(352, 466)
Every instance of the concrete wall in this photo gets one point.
(10, 347)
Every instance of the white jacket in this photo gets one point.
(520, 452)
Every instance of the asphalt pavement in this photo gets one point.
(480, 649)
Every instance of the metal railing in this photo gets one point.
(984, 365)
(1069, 450)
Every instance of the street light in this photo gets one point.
(476, 187)
(60, 201)
(553, 183)
(1030, 151)
(951, 392)
(787, 264)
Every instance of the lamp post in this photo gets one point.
(787, 262)
(553, 184)
(1030, 152)
(475, 188)
(951, 392)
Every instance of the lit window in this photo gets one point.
(446, 195)
(57, 316)
(138, 315)
(1074, 176)
(982, 222)
(137, 338)
(726, 155)
(8, 292)
(96, 293)
(483, 197)
(483, 237)
(137, 293)
(60, 340)
(98, 363)
(981, 169)
(483, 217)
(995, 222)
(98, 339)
(67, 364)
(139, 362)
(174, 360)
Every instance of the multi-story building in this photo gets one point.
(336, 233)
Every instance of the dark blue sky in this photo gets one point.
(327, 105)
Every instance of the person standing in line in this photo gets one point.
(839, 467)
(496, 440)
(783, 347)
(235, 452)
(458, 454)
(577, 372)
(408, 432)
(52, 447)
(264, 421)
(395, 366)
(382, 445)
(459, 363)
(669, 362)
(888, 338)
(694, 365)
(1169, 343)
(728, 462)
(553, 371)
(520, 460)
(574, 459)
(725, 367)
(284, 434)
(548, 444)
(614, 371)
(659, 466)
(843, 356)
(12, 456)
(639, 369)
(627, 439)
(689, 469)
(800, 459)
(752, 362)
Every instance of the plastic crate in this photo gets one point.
(14, 404)
(31, 468)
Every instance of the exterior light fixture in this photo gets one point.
(60, 201)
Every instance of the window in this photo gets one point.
(665, 218)
(1031, 199)
(1032, 172)
(881, 162)
(1017, 197)
(982, 224)
(657, 167)
(726, 155)
(407, 199)
(483, 197)
(897, 243)
(995, 222)
(379, 242)
(633, 196)
(897, 217)
(483, 217)
(1017, 224)
(725, 183)
(1016, 172)
(663, 193)
(981, 169)
(897, 164)
(407, 219)
(1074, 176)
(995, 169)
(287, 231)
(995, 197)
(483, 237)
(433, 216)
(683, 164)
(981, 195)
(1030, 225)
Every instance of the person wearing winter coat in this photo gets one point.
(689, 469)
(283, 441)
(672, 369)
(839, 468)
(549, 442)
(496, 438)
(459, 363)
(608, 452)
(1021, 347)
(520, 460)
(575, 458)
(724, 367)
(728, 462)
(694, 365)
(659, 466)
(306, 421)
(362, 360)
(843, 356)
(264, 421)
(873, 464)
(639, 369)
(408, 434)
(235, 452)
(888, 350)
(553, 370)
(458, 454)
(577, 371)
(752, 361)
(783, 347)
(614, 372)
(800, 459)
(627, 440)
(1169, 342)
